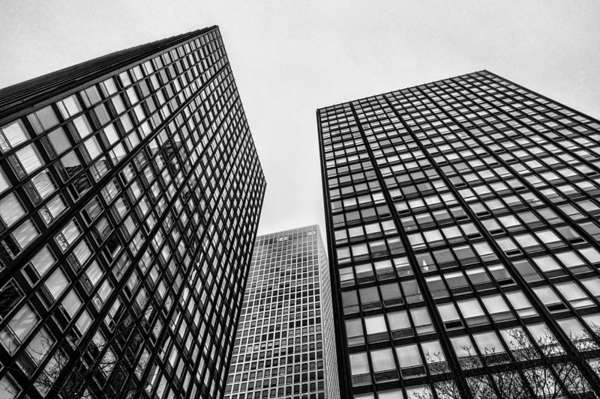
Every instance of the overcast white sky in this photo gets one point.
(291, 56)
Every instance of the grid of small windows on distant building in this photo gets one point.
(284, 348)
(127, 212)
(463, 215)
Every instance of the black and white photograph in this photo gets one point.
(394, 199)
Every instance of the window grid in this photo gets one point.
(492, 190)
(284, 343)
(148, 248)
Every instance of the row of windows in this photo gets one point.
(490, 348)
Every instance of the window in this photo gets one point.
(500, 274)
(12, 135)
(593, 285)
(574, 295)
(546, 264)
(490, 347)
(418, 392)
(346, 277)
(56, 283)
(479, 278)
(449, 315)
(577, 334)
(384, 269)
(71, 303)
(29, 158)
(411, 364)
(359, 366)
(521, 304)
(39, 346)
(25, 233)
(457, 282)
(444, 258)
(518, 343)
(18, 328)
(591, 254)
(549, 298)
(434, 237)
(364, 273)
(354, 332)
(391, 294)
(527, 271)
(399, 324)
(436, 287)
(545, 339)
(369, 298)
(376, 329)
(434, 356)
(350, 302)
(384, 367)
(68, 235)
(11, 209)
(549, 238)
(422, 320)
(4, 184)
(359, 250)
(390, 394)
(412, 293)
(497, 308)
(8, 387)
(69, 107)
(43, 184)
(47, 118)
(60, 142)
(466, 353)
(472, 312)
(571, 260)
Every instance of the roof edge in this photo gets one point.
(21, 95)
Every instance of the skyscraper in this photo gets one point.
(130, 193)
(285, 345)
(462, 224)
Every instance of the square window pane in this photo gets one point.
(25, 233)
(29, 158)
(11, 209)
(14, 134)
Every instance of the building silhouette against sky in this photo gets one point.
(130, 193)
(285, 345)
(462, 224)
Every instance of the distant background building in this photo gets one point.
(285, 347)
(130, 194)
(462, 223)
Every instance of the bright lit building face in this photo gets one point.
(462, 222)
(285, 345)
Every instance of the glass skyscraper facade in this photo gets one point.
(130, 193)
(463, 230)
(285, 345)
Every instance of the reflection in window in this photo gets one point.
(10, 209)
(411, 364)
(359, 366)
(12, 135)
(17, 329)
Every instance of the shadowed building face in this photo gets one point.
(130, 193)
